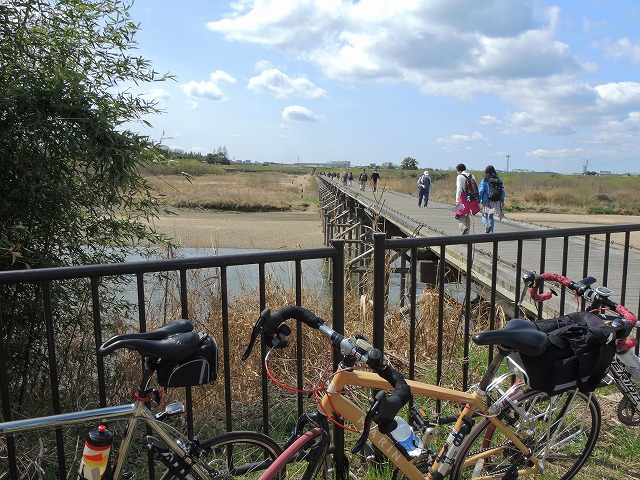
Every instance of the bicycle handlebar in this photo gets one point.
(583, 289)
(270, 325)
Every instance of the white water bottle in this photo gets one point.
(631, 364)
(405, 437)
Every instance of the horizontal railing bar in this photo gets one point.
(505, 236)
(149, 266)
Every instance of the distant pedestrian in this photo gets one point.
(424, 186)
(345, 176)
(491, 196)
(363, 179)
(350, 179)
(466, 199)
(375, 176)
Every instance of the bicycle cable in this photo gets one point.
(318, 389)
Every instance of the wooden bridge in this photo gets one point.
(604, 252)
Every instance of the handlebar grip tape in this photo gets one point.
(390, 405)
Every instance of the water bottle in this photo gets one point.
(95, 456)
(405, 438)
(631, 364)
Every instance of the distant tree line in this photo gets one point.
(219, 157)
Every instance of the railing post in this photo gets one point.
(379, 275)
(338, 325)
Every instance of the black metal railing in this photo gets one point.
(497, 274)
(140, 269)
(496, 262)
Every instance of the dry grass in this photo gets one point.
(527, 192)
(243, 192)
(274, 190)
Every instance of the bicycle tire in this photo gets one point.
(626, 412)
(242, 455)
(305, 459)
(574, 426)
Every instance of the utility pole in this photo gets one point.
(508, 157)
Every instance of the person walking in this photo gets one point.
(424, 186)
(375, 176)
(466, 198)
(350, 179)
(363, 179)
(491, 197)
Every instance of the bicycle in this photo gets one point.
(521, 432)
(180, 357)
(624, 370)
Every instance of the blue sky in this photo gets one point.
(555, 85)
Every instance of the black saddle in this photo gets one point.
(519, 335)
(175, 340)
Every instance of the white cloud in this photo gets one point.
(441, 46)
(621, 94)
(280, 85)
(554, 154)
(220, 76)
(208, 90)
(296, 113)
(623, 48)
(589, 25)
(511, 50)
(457, 142)
(157, 94)
(489, 120)
(620, 132)
(261, 65)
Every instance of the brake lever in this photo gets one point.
(255, 333)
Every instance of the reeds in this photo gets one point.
(242, 192)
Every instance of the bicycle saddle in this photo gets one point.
(520, 335)
(175, 340)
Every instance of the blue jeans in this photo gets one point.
(488, 222)
(423, 193)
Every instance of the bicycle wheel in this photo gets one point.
(305, 459)
(561, 431)
(626, 411)
(243, 455)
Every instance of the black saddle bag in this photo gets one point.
(579, 354)
(199, 369)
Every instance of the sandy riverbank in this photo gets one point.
(258, 230)
(303, 229)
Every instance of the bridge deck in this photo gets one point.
(438, 220)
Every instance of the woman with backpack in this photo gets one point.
(491, 196)
(466, 198)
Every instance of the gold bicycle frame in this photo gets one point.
(335, 402)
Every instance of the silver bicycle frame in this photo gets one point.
(134, 413)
